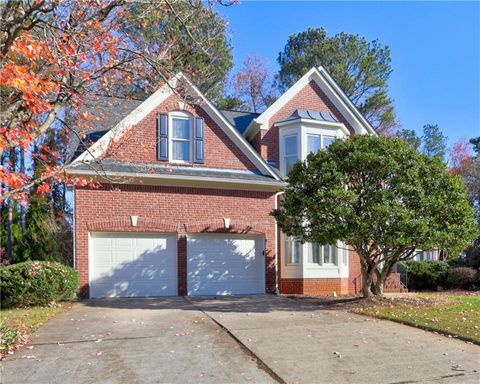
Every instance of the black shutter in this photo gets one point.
(199, 148)
(162, 129)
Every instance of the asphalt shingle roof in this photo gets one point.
(109, 111)
(142, 169)
(240, 120)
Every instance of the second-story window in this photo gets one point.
(291, 152)
(181, 138)
(317, 142)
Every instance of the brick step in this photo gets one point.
(393, 284)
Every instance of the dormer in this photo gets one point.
(306, 131)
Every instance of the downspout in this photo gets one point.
(74, 234)
(277, 291)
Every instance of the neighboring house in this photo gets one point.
(186, 190)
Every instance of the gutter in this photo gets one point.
(279, 184)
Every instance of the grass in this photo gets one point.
(450, 314)
(17, 324)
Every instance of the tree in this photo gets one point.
(230, 102)
(476, 144)
(381, 197)
(55, 53)
(253, 85)
(360, 68)
(189, 37)
(434, 141)
(460, 156)
(410, 136)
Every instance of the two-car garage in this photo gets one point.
(143, 265)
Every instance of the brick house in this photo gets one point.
(186, 190)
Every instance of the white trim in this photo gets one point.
(204, 182)
(231, 132)
(332, 91)
(320, 124)
(180, 115)
(139, 113)
(101, 146)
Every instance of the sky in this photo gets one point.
(435, 50)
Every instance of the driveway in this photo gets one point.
(258, 339)
(132, 341)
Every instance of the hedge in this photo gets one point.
(426, 274)
(36, 283)
(462, 277)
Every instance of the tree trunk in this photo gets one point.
(9, 231)
(367, 282)
(23, 210)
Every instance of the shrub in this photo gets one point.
(426, 274)
(8, 338)
(462, 277)
(36, 283)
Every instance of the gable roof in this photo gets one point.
(332, 91)
(98, 148)
(107, 111)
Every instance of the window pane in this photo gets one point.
(327, 140)
(290, 145)
(289, 162)
(327, 254)
(181, 150)
(181, 129)
(296, 252)
(313, 253)
(292, 251)
(313, 143)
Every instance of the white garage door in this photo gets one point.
(225, 264)
(132, 264)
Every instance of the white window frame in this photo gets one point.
(322, 138)
(181, 116)
(289, 243)
(296, 155)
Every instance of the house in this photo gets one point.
(185, 194)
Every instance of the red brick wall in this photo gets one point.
(139, 144)
(310, 97)
(354, 273)
(311, 286)
(172, 209)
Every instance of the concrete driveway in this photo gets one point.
(258, 339)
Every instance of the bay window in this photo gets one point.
(292, 250)
(291, 152)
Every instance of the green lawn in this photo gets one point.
(17, 324)
(451, 314)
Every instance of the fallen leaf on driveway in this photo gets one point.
(98, 340)
(338, 354)
(99, 353)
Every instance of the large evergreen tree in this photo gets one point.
(381, 197)
(434, 141)
(361, 68)
(191, 37)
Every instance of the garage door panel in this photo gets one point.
(126, 264)
(225, 264)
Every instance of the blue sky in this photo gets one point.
(435, 49)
